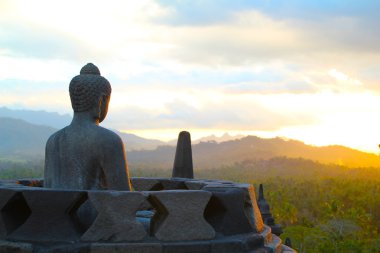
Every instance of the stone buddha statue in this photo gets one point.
(84, 155)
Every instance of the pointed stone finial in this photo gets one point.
(261, 192)
(266, 214)
(263, 204)
(288, 242)
(183, 162)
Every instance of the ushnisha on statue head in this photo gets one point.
(90, 92)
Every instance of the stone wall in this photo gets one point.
(161, 215)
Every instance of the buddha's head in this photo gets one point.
(90, 92)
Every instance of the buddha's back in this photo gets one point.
(72, 161)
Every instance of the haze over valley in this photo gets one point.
(22, 138)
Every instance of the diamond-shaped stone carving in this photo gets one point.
(51, 216)
(84, 214)
(179, 215)
(225, 211)
(173, 184)
(14, 211)
(116, 220)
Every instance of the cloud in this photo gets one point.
(263, 65)
(70, 31)
(23, 42)
(35, 70)
(23, 94)
(253, 37)
(208, 110)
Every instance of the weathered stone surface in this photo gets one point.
(51, 218)
(286, 249)
(84, 155)
(227, 246)
(262, 250)
(187, 247)
(266, 234)
(116, 220)
(14, 211)
(7, 183)
(251, 209)
(62, 248)
(195, 185)
(225, 211)
(15, 247)
(146, 184)
(275, 245)
(253, 241)
(179, 216)
(126, 248)
(183, 161)
(173, 184)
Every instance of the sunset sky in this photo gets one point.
(306, 70)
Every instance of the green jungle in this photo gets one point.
(321, 207)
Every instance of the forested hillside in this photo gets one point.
(326, 198)
(322, 208)
(213, 154)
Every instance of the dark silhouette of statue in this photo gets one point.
(84, 155)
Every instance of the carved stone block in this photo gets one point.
(146, 184)
(179, 216)
(15, 247)
(225, 211)
(187, 247)
(126, 248)
(51, 217)
(116, 220)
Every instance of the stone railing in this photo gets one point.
(160, 215)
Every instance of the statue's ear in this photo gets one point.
(104, 98)
(103, 106)
(101, 100)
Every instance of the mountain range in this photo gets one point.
(41, 124)
(23, 135)
(51, 119)
(252, 148)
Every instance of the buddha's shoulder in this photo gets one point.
(106, 135)
(56, 135)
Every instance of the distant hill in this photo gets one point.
(250, 148)
(225, 137)
(256, 171)
(58, 121)
(134, 142)
(51, 119)
(210, 138)
(19, 138)
(23, 140)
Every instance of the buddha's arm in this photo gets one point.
(49, 162)
(115, 165)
